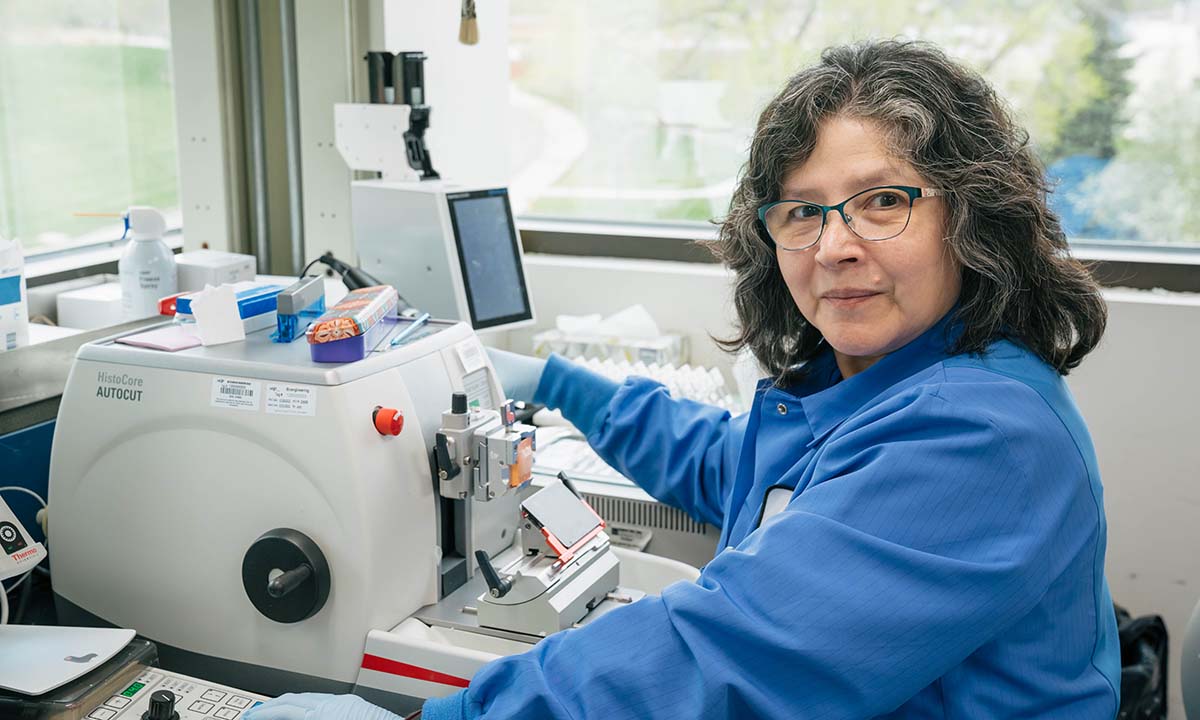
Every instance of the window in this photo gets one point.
(641, 111)
(87, 120)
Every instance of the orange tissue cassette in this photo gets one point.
(523, 469)
(354, 315)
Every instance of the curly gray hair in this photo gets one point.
(1018, 280)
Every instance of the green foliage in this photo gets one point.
(1065, 68)
(1092, 125)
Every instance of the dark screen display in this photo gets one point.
(491, 265)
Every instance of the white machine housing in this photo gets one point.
(166, 468)
(159, 484)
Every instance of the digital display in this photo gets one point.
(489, 257)
(132, 689)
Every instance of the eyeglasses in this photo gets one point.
(878, 213)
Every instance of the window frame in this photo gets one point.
(1131, 265)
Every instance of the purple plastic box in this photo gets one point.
(354, 347)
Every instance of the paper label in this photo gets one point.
(235, 393)
(284, 399)
(471, 355)
(478, 389)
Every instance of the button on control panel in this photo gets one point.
(200, 707)
(194, 699)
(10, 538)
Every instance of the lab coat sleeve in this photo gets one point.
(930, 529)
(681, 452)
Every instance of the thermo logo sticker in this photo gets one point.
(236, 393)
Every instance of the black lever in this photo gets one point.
(447, 468)
(562, 475)
(497, 587)
(286, 582)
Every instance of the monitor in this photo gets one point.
(489, 255)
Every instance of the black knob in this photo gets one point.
(162, 706)
(458, 403)
(295, 594)
(288, 581)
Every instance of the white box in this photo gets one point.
(14, 305)
(213, 267)
(91, 307)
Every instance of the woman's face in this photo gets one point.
(867, 298)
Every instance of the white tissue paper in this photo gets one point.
(634, 322)
(630, 335)
(216, 313)
(575, 324)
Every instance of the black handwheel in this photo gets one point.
(285, 575)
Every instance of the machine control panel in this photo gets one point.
(193, 699)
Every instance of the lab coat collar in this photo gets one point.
(838, 399)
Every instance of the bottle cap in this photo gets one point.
(145, 223)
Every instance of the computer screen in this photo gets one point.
(490, 258)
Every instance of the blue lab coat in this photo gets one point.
(941, 554)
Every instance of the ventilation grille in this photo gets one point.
(644, 514)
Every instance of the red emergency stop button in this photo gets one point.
(388, 421)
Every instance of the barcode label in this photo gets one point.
(236, 393)
(10, 341)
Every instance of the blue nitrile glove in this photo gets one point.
(519, 374)
(318, 706)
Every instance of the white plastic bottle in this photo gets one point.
(14, 309)
(147, 267)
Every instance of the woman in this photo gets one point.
(911, 513)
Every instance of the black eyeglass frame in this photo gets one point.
(913, 193)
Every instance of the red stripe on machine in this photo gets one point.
(393, 667)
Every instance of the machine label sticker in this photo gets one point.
(284, 399)
(235, 393)
(478, 389)
(471, 355)
(119, 386)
